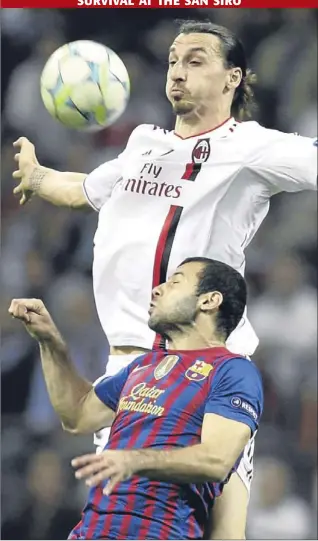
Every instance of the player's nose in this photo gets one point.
(178, 73)
(156, 292)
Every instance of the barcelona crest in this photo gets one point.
(198, 371)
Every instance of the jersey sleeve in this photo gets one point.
(237, 392)
(98, 185)
(287, 162)
(109, 388)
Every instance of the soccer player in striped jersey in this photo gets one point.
(203, 189)
(180, 417)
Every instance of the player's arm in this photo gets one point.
(209, 461)
(74, 190)
(222, 442)
(229, 513)
(73, 397)
(64, 189)
(226, 429)
(287, 162)
(59, 188)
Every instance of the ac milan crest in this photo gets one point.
(201, 151)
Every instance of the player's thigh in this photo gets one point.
(230, 511)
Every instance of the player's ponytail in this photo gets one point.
(233, 53)
(243, 105)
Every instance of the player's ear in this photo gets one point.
(234, 78)
(210, 301)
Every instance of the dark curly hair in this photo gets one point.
(218, 276)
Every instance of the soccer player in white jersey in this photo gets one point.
(200, 190)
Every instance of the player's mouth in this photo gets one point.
(177, 92)
(151, 308)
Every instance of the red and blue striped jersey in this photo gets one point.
(160, 400)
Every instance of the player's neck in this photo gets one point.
(191, 125)
(193, 340)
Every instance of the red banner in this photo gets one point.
(159, 4)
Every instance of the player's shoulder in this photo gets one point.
(223, 359)
(147, 130)
(231, 364)
(146, 133)
(260, 135)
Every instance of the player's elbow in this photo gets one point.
(73, 425)
(218, 471)
(76, 429)
(79, 204)
(74, 197)
(217, 467)
(71, 428)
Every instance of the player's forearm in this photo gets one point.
(66, 388)
(194, 464)
(59, 188)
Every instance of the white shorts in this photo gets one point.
(114, 365)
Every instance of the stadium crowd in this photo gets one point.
(47, 253)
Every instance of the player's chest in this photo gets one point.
(173, 387)
(177, 172)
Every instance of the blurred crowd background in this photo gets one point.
(47, 253)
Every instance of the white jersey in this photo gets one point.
(166, 198)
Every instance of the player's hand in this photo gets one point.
(27, 163)
(114, 466)
(35, 317)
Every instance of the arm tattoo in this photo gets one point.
(36, 179)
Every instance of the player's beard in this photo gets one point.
(182, 107)
(174, 321)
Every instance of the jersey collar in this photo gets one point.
(222, 129)
(217, 351)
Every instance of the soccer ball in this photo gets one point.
(85, 85)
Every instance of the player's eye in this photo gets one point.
(172, 281)
(172, 62)
(195, 63)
